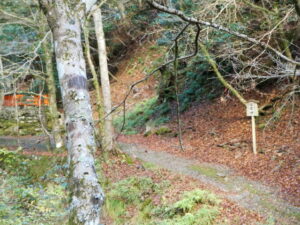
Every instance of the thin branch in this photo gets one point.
(219, 27)
(176, 92)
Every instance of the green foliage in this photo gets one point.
(32, 189)
(133, 191)
(187, 212)
(141, 114)
(9, 159)
(197, 207)
(200, 83)
(21, 203)
(203, 216)
(190, 199)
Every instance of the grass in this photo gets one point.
(149, 165)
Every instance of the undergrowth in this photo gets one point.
(32, 189)
(142, 113)
(131, 201)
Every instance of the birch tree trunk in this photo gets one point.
(65, 20)
(105, 84)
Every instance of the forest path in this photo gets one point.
(249, 194)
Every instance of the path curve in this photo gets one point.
(247, 193)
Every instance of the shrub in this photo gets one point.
(141, 114)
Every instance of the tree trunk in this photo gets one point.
(87, 197)
(99, 103)
(219, 75)
(108, 128)
(54, 115)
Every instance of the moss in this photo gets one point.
(149, 165)
(10, 127)
(253, 190)
(208, 171)
(261, 125)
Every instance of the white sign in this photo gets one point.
(252, 109)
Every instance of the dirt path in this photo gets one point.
(247, 193)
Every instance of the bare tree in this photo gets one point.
(65, 19)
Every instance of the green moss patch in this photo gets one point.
(207, 171)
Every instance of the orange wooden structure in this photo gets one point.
(25, 100)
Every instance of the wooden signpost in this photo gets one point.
(252, 110)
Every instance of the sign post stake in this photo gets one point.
(253, 134)
(252, 110)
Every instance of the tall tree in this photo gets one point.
(107, 140)
(50, 80)
(65, 19)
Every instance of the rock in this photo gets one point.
(220, 174)
(162, 130)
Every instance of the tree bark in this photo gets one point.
(53, 111)
(99, 103)
(105, 84)
(65, 20)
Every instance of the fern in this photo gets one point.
(183, 211)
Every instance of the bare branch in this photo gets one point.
(219, 27)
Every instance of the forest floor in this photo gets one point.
(224, 137)
(246, 193)
(219, 133)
